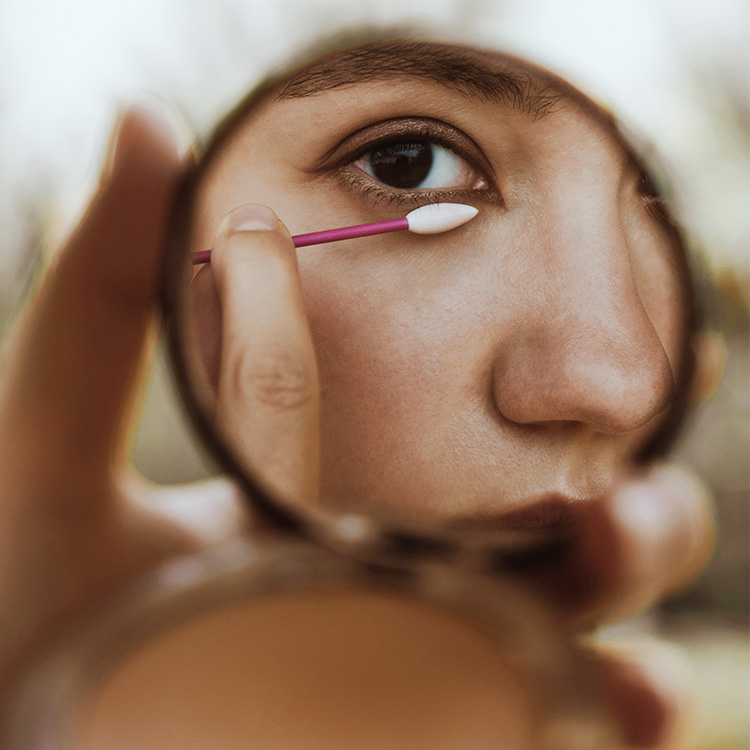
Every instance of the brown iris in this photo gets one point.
(402, 165)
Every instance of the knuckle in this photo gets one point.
(278, 379)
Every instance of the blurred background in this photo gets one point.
(677, 71)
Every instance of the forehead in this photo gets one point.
(471, 87)
(478, 74)
(462, 73)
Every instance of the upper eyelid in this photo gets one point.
(366, 138)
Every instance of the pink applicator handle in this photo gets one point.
(346, 233)
(331, 235)
(430, 219)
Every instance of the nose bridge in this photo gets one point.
(588, 352)
(590, 271)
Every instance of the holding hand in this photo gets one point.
(74, 524)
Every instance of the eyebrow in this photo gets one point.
(452, 67)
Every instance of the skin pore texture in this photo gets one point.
(503, 374)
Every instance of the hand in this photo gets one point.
(256, 366)
(75, 522)
(647, 540)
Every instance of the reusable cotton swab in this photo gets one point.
(431, 219)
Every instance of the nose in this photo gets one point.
(582, 348)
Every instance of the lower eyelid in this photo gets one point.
(377, 193)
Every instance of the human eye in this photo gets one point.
(418, 165)
(414, 161)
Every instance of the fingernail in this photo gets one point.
(250, 218)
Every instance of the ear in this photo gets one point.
(710, 353)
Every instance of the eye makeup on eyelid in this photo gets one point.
(412, 161)
(418, 160)
(408, 160)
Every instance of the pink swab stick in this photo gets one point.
(431, 219)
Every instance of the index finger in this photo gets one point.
(267, 401)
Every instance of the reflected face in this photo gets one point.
(501, 373)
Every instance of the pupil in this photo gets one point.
(404, 165)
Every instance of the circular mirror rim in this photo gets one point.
(378, 543)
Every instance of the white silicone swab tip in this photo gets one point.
(439, 217)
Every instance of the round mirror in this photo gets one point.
(494, 376)
(284, 645)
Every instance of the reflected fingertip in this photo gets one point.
(645, 508)
(666, 497)
(694, 511)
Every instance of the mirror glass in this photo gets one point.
(496, 376)
(337, 665)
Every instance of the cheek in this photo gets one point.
(398, 375)
(381, 340)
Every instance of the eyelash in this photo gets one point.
(378, 193)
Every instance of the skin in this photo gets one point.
(74, 531)
(503, 373)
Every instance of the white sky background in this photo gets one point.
(677, 69)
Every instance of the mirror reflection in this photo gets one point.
(500, 375)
